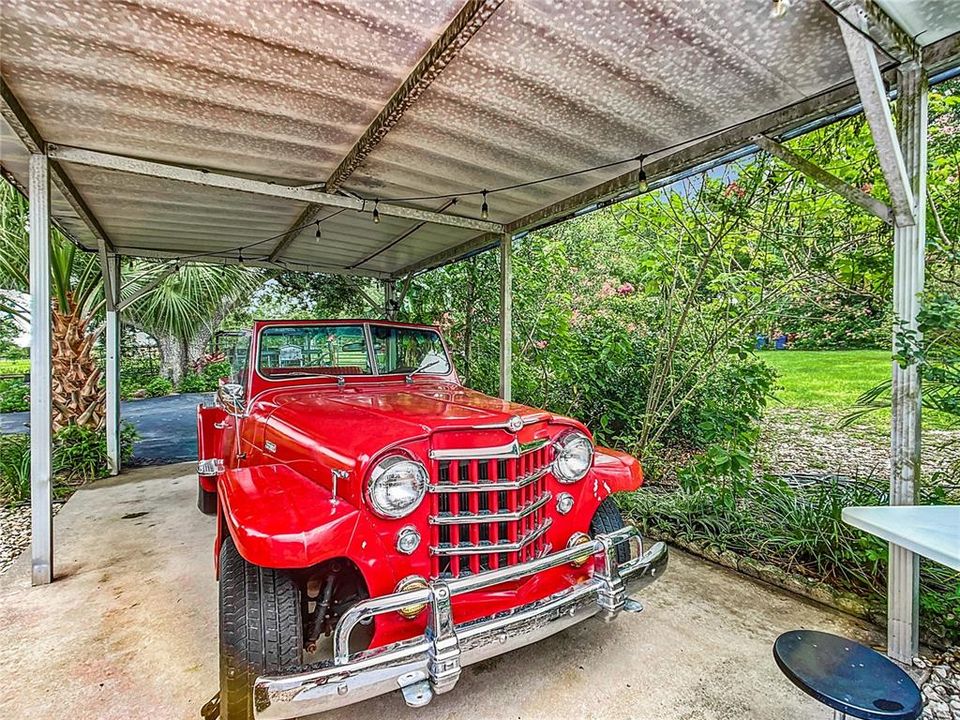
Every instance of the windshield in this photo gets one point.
(305, 350)
(337, 350)
(408, 350)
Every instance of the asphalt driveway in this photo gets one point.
(167, 427)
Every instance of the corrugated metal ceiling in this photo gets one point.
(282, 91)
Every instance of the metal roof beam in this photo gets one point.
(464, 26)
(873, 96)
(457, 34)
(13, 112)
(828, 180)
(884, 30)
(147, 168)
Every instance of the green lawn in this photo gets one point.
(14, 367)
(835, 379)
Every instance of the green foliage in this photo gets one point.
(14, 396)
(799, 529)
(207, 379)
(144, 387)
(79, 455)
(14, 468)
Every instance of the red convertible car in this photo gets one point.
(380, 526)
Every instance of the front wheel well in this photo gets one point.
(327, 590)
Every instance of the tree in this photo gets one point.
(77, 393)
(187, 308)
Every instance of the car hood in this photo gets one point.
(357, 422)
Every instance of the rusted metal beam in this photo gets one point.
(892, 39)
(457, 34)
(224, 181)
(13, 112)
(828, 180)
(464, 26)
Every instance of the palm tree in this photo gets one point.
(187, 308)
(181, 313)
(77, 393)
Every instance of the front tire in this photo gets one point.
(260, 629)
(607, 519)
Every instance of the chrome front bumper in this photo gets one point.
(431, 663)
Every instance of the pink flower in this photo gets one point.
(734, 188)
(607, 289)
(867, 188)
(625, 289)
(540, 344)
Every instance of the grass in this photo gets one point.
(14, 367)
(834, 379)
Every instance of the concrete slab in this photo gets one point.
(129, 630)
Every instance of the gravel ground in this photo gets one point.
(15, 531)
(809, 441)
(941, 685)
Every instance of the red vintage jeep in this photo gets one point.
(364, 495)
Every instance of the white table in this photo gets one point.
(932, 531)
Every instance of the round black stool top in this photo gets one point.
(847, 676)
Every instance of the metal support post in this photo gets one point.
(112, 289)
(390, 300)
(908, 277)
(506, 317)
(41, 421)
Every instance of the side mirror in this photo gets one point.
(230, 396)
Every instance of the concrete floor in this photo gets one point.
(129, 630)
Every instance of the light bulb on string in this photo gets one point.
(240, 256)
(484, 209)
(317, 235)
(642, 185)
(780, 8)
(376, 212)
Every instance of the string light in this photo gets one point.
(642, 185)
(780, 8)
(316, 235)
(240, 255)
(376, 212)
(484, 209)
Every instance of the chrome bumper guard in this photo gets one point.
(431, 663)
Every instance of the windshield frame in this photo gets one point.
(367, 334)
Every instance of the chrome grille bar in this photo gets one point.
(466, 487)
(484, 548)
(491, 517)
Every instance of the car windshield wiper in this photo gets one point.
(422, 368)
(339, 378)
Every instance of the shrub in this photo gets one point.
(799, 529)
(79, 455)
(193, 383)
(207, 379)
(15, 467)
(155, 386)
(14, 396)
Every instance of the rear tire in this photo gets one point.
(607, 519)
(260, 629)
(206, 501)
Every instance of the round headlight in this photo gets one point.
(396, 486)
(574, 457)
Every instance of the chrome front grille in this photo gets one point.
(487, 513)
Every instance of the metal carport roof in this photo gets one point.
(403, 99)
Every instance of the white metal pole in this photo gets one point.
(41, 482)
(908, 278)
(506, 317)
(112, 287)
(389, 300)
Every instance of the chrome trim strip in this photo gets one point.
(466, 548)
(489, 517)
(349, 679)
(488, 486)
(510, 450)
(528, 420)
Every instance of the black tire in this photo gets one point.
(206, 501)
(260, 629)
(606, 520)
